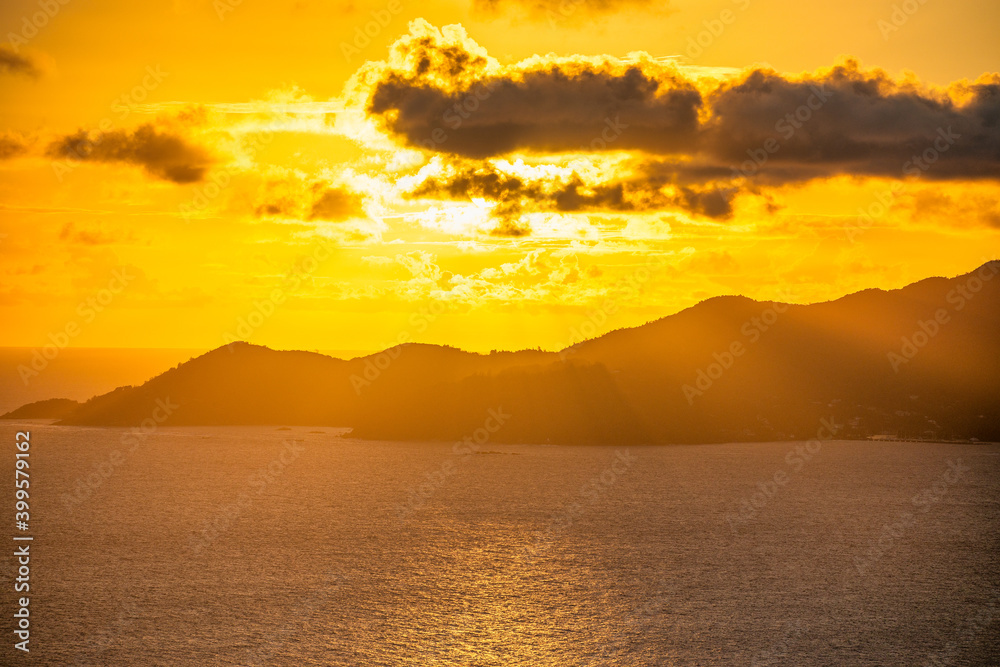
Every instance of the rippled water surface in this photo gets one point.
(236, 546)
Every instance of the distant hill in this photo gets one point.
(922, 361)
(53, 408)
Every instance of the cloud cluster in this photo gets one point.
(515, 190)
(162, 152)
(759, 125)
(336, 204)
(291, 198)
(538, 275)
(12, 62)
(14, 144)
(546, 107)
(848, 120)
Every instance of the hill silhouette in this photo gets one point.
(52, 408)
(922, 361)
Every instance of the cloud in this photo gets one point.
(291, 198)
(92, 236)
(555, 11)
(12, 62)
(709, 202)
(540, 105)
(336, 204)
(14, 144)
(441, 92)
(848, 120)
(160, 152)
(542, 190)
(535, 276)
(510, 228)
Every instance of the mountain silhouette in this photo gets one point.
(52, 408)
(919, 362)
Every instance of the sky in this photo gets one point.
(478, 173)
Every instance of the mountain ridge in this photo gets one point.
(728, 368)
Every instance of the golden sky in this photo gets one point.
(478, 173)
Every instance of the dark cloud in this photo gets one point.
(162, 153)
(278, 207)
(513, 195)
(761, 125)
(13, 144)
(472, 182)
(336, 204)
(709, 202)
(511, 228)
(852, 121)
(549, 110)
(576, 196)
(12, 62)
(318, 201)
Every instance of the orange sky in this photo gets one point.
(182, 174)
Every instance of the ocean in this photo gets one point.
(265, 546)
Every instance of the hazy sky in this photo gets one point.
(485, 174)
